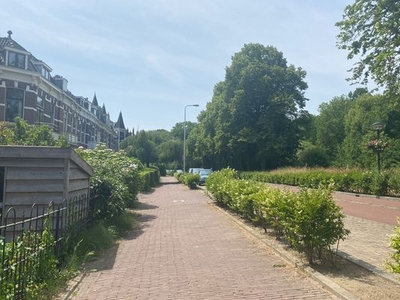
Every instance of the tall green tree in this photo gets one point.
(155, 146)
(139, 146)
(211, 137)
(263, 96)
(370, 32)
(177, 130)
(366, 110)
(330, 125)
(170, 153)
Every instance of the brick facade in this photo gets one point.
(46, 100)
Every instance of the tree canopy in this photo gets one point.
(369, 32)
(251, 121)
(21, 133)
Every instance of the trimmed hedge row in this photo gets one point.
(386, 183)
(189, 179)
(150, 178)
(309, 220)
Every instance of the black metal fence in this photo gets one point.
(30, 242)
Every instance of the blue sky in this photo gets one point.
(150, 58)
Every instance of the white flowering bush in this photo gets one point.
(115, 182)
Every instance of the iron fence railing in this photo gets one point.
(27, 240)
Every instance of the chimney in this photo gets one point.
(9, 34)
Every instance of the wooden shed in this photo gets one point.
(39, 175)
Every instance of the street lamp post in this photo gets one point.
(378, 126)
(184, 135)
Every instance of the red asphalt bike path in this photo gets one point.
(383, 210)
(379, 209)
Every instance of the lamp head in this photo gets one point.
(378, 125)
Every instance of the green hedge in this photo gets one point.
(310, 220)
(150, 178)
(189, 179)
(386, 183)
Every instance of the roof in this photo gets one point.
(8, 42)
(94, 101)
(120, 122)
(40, 152)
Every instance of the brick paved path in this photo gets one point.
(368, 244)
(186, 249)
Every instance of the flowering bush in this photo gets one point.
(377, 145)
(115, 181)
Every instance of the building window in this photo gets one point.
(45, 73)
(39, 110)
(16, 60)
(14, 104)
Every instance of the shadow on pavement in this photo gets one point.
(107, 259)
(144, 206)
(345, 269)
(142, 219)
(170, 182)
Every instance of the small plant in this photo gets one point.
(25, 279)
(394, 265)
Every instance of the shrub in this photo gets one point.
(380, 183)
(218, 184)
(310, 220)
(192, 180)
(162, 169)
(317, 222)
(115, 181)
(313, 156)
(394, 265)
(189, 179)
(279, 210)
(150, 177)
(394, 183)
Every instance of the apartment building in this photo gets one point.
(28, 90)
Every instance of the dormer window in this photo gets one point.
(16, 60)
(43, 69)
(45, 73)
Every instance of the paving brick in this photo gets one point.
(186, 249)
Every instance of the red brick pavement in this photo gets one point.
(186, 249)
